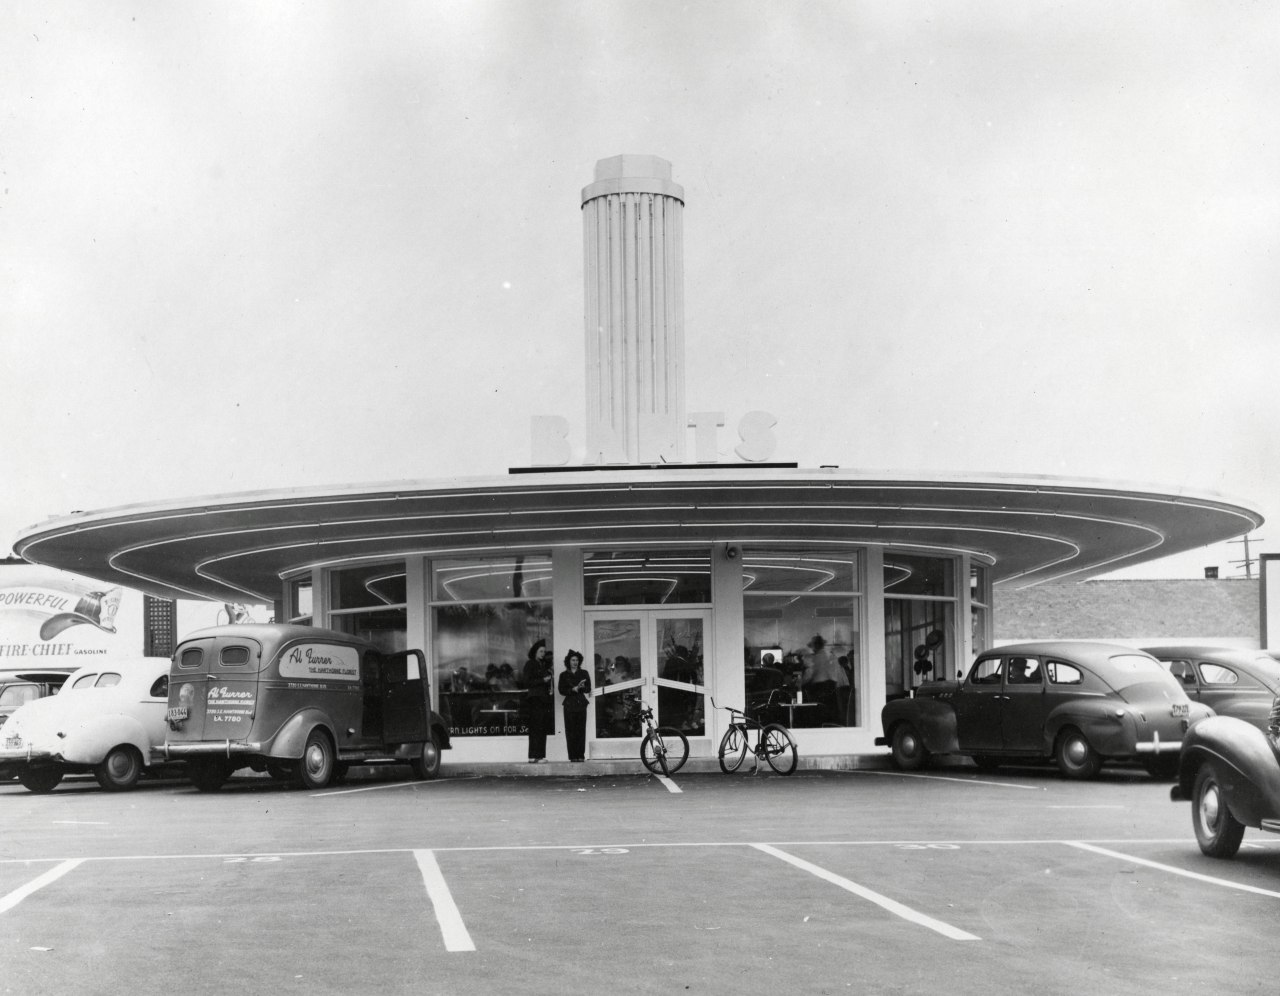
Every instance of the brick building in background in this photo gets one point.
(1226, 612)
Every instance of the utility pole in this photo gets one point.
(1248, 560)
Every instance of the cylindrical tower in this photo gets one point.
(634, 266)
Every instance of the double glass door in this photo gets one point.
(653, 657)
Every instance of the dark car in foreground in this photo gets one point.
(1230, 772)
(1078, 703)
(1230, 681)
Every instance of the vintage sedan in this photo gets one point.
(105, 719)
(1079, 703)
(20, 687)
(1230, 681)
(1230, 771)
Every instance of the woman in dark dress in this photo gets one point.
(539, 708)
(575, 686)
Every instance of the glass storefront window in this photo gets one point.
(979, 608)
(362, 587)
(647, 578)
(299, 608)
(474, 579)
(909, 574)
(481, 638)
(369, 602)
(919, 621)
(802, 627)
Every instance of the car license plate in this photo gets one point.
(12, 743)
(176, 713)
(1179, 709)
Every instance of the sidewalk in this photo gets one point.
(632, 766)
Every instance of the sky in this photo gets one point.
(250, 246)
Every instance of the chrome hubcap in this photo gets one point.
(315, 759)
(1210, 805)
(119, 765)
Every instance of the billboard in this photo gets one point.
(50, 618)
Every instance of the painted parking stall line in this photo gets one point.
(884, 902)
(872, 772)
(454, 931)
(670, 785)
(36, 884)
(1094, 849)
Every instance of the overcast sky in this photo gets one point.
(263, 245)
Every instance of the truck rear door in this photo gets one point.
(405, 698)
(213, 689)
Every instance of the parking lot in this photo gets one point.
(824, 882)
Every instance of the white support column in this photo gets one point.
(320, 600)
(417, 618)
(873, 688)
(725, 677)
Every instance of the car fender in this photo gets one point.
(933, 718)
(1248, 767)
(440, 732)
(291, 738)
(1107, 733)
(90, 739)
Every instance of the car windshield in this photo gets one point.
(17, 694)
(1135, 669)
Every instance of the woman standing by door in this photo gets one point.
(539, 708)
(575, 686)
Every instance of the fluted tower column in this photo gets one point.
(632, 218)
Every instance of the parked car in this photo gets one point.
(1230, 772)
(19, 688)
(1079, 703)
(1230, 681)
(105, 719)
(300, 703)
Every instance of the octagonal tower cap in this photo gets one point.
(633, 174)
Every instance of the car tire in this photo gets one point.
(120, 770)
(315, 768)
(425, 763)
(1075, 756)
(207, 776)
(1218, 832)
(909, 751)
(42, 779)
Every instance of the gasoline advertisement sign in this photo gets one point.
(50, 617)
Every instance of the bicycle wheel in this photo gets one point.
(778, 748)
(664, 750)
(733, 748)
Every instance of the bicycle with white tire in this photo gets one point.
(664, 749)
(774, 743)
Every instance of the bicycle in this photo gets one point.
(773, 742)
(664, 749)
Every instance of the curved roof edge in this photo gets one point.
(1030, 528)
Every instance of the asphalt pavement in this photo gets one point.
(835, 881)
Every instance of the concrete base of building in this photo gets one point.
(632, 766)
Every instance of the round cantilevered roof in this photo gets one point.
(239, 547)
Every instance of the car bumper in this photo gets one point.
(11, 756)
(224, 748)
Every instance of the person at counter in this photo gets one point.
(575, 686)
(539, 708)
